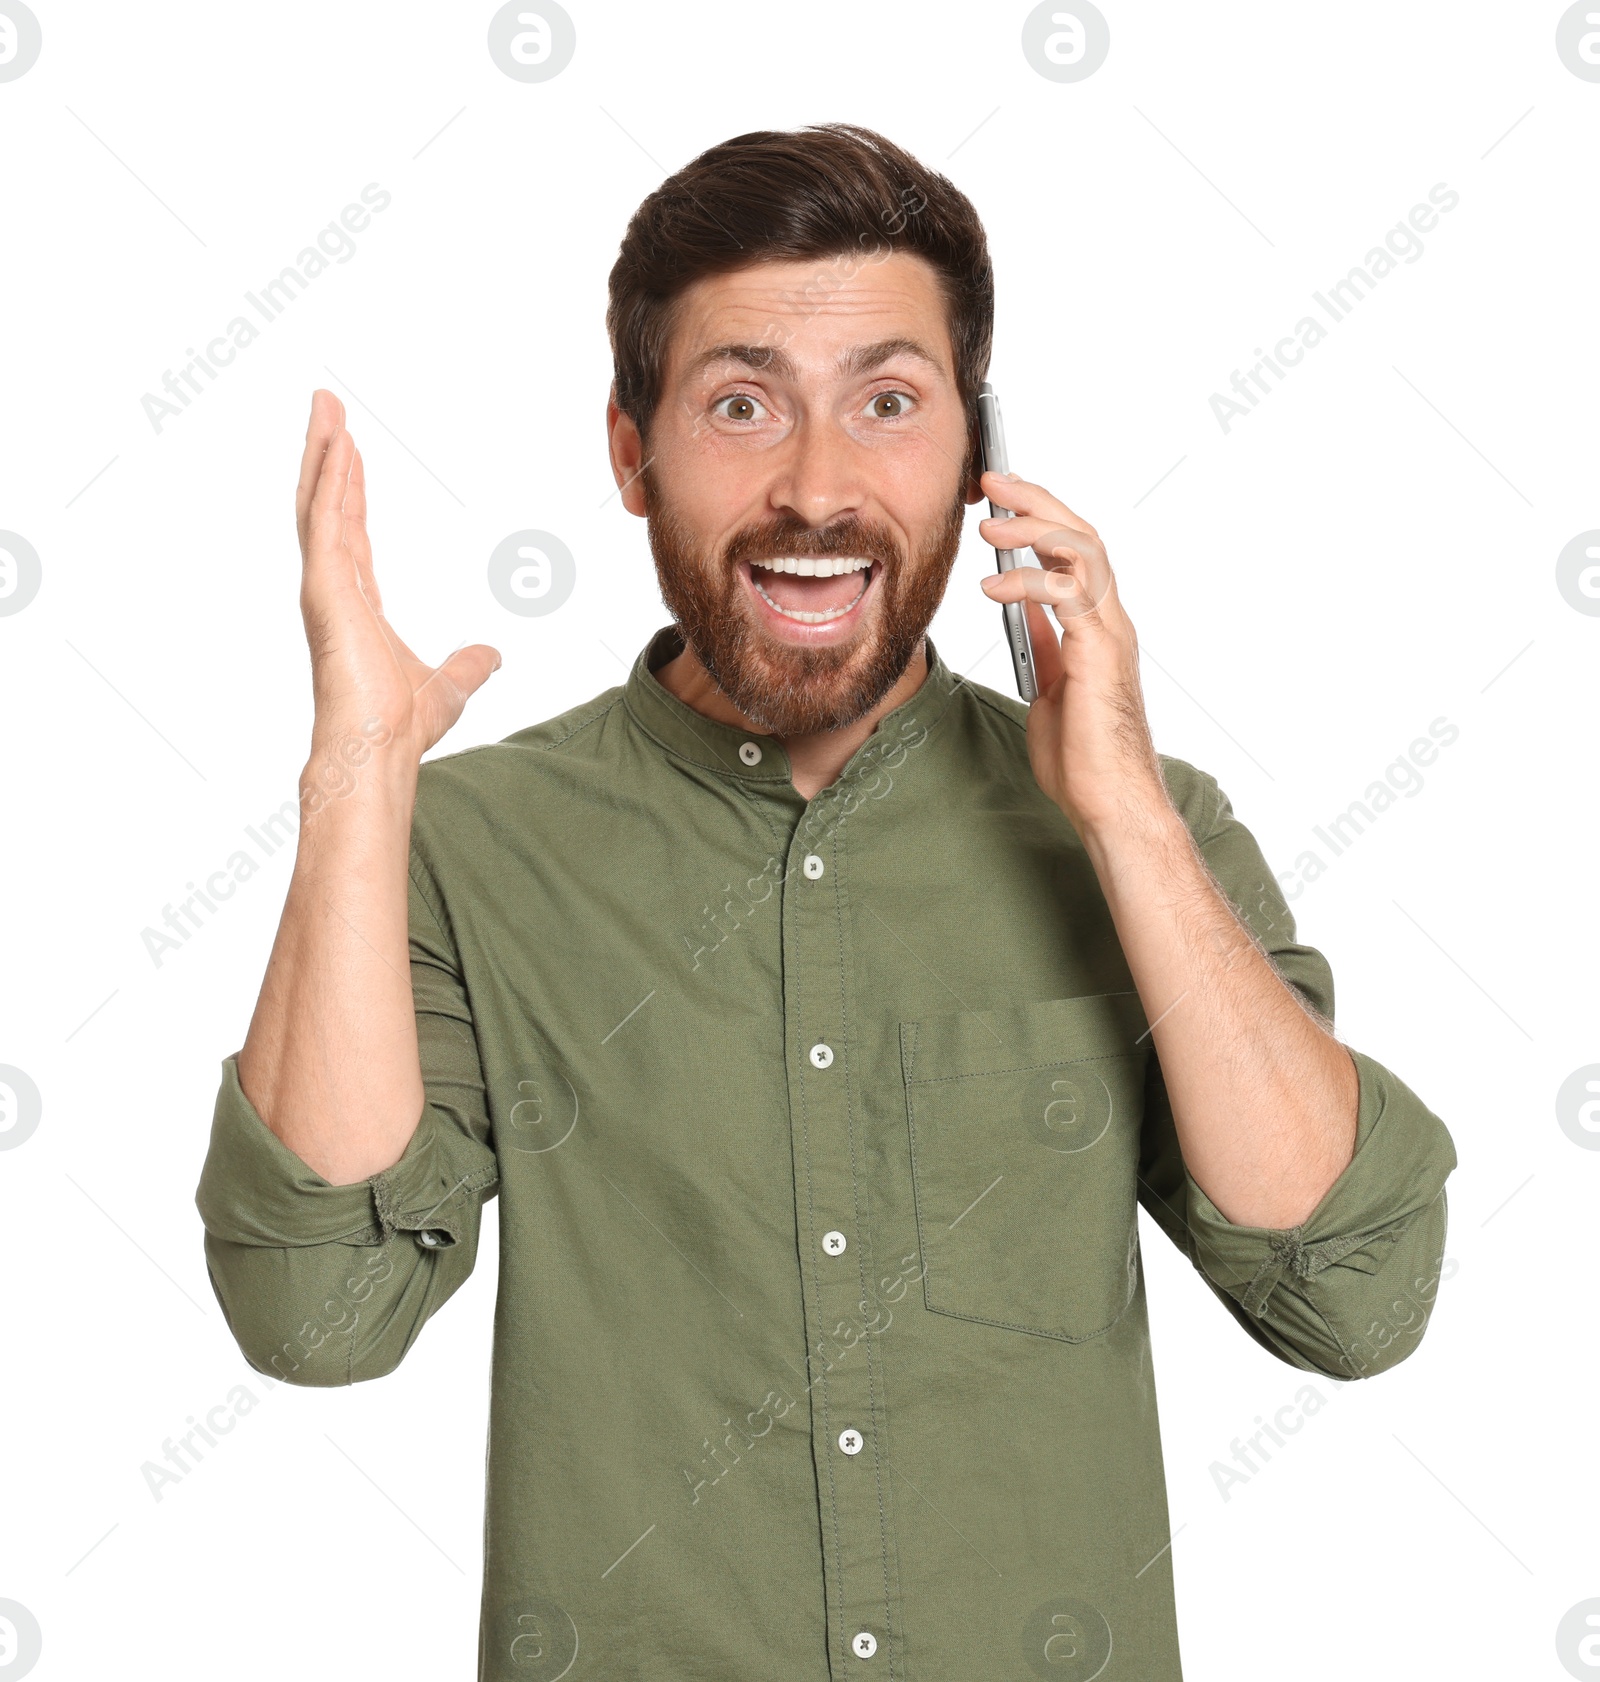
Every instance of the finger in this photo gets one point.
(1022, 496)
(1060, 548)
(356, 537)
(1049, 539)
(358, 544)
(469, 668)
(327, 563)
(446, 690)
(327, 415)
(1069, 554)
(1061, 590)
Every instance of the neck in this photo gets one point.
(815, 759)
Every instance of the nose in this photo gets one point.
(820, 477)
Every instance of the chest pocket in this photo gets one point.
(1025, 1130)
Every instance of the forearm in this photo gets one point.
(331, 1061)
(1263, 1096)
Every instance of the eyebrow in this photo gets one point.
(862, 359)
(859, 359)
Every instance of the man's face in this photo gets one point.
(804, 480)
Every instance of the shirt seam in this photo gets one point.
(425, 891)
(578, 729)
(529, 747)
(1023, 1068)
(1214, 828)
(994, 707)
(928, 1282)
(756, 807)
(390, 1219)
(812, 1386)
(875, 1412)
(790, 1035)
(678, 752)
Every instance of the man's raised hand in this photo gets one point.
(366, 683)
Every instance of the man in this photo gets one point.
(820, 1018)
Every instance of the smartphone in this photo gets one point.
(992, 450)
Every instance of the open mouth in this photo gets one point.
(812, 590)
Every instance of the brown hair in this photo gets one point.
(826, 190)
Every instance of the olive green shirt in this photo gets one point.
(819, 1130)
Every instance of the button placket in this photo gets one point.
(842, 1380)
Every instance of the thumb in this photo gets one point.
(468, 669)
(445, 690)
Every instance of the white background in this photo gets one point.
(1372, 548)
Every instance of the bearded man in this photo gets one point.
(821, 1019)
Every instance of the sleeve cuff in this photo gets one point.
(254, 1190)
(1402, 1158)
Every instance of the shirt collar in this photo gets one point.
(746, 754)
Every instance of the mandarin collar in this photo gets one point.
(748, 755)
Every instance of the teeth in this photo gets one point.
(808, 567)
(808, 618)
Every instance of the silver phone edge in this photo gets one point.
(1015, 619)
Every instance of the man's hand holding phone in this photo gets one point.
(1089, 740)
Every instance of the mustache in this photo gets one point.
(868, 540)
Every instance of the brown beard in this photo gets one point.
(799, 691)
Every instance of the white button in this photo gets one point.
(813, 867)
(864, 1645)
(822, 1055)
(833, 1243)
(428, 1237)
(850, 1441)
(750, 753)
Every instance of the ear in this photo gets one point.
(627, 456)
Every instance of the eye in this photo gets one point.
(739, 406)
(890, 405)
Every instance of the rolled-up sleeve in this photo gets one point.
(324, 1284)
(1348, 1292)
